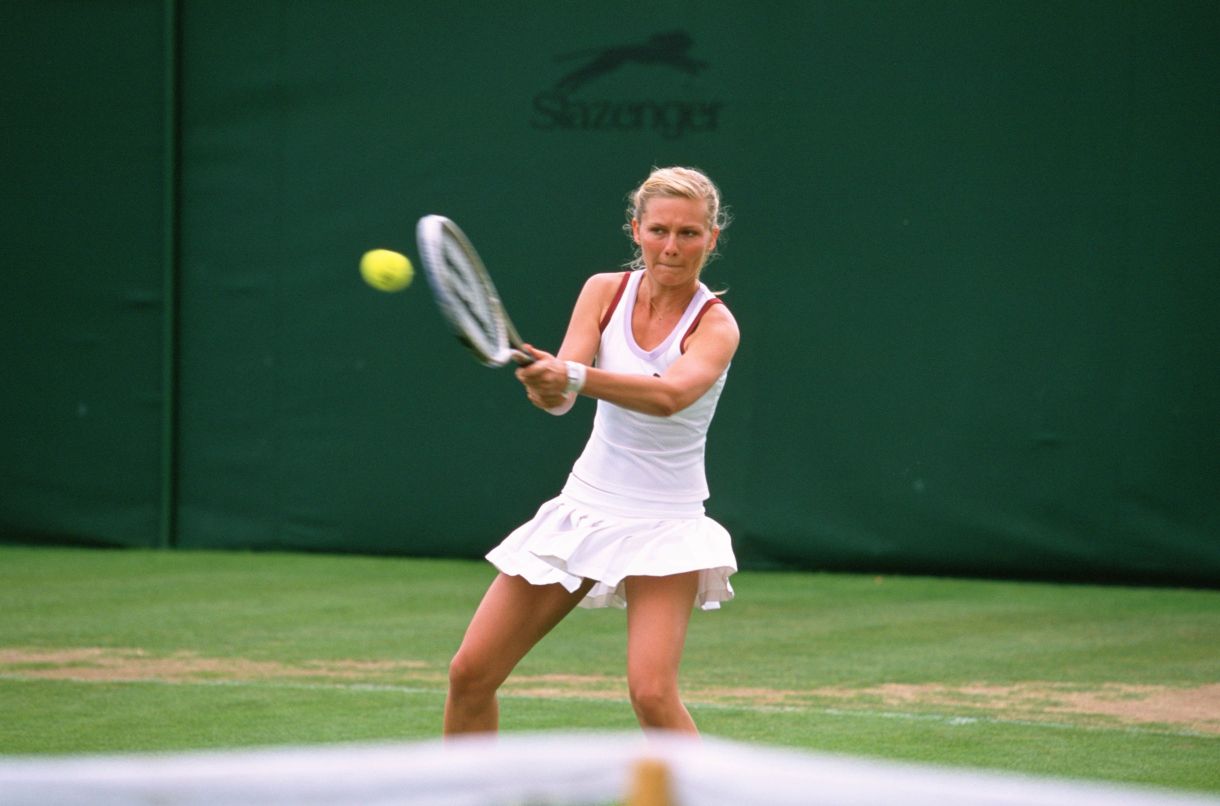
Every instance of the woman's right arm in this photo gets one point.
(580, 344)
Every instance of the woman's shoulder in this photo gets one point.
(598, 299)
(608, 279)
(714, 315)
(720, 313)
(605, 286)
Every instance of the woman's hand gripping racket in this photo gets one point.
(466, 295)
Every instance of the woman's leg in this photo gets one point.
(513, 616)
(658, 610)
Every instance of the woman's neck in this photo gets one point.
(665, 300)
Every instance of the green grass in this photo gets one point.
(787, 632)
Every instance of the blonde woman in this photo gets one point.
(652, 345)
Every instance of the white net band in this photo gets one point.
(536, 769)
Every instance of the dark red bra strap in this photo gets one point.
(707, 306)
(618, 295)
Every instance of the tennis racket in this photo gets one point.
(465, 294)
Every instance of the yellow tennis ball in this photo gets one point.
(386, 270)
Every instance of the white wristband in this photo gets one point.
(563, 408)
(576, 376)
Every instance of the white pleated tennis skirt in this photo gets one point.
(586, 534)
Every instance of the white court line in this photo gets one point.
(954, 720)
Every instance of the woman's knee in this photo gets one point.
(652, 697)
(468, 675)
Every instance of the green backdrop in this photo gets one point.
(974, 261)
(82, 240)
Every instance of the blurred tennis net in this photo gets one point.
(563, 769)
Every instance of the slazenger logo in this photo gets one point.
(556, 108)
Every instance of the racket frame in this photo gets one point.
(466, 295)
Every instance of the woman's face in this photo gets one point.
(675, 238)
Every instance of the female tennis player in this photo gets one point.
(653, 346)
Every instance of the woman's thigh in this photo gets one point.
(658, 612)
(512, 617)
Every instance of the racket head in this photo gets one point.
(465, 293)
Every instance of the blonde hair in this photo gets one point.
(680, 183)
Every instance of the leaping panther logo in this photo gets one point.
(675, 114)
(668, 49)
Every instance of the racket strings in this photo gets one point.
(465, 292)
(477, 303)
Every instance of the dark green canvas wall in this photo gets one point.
(974, 260)
(82, 240)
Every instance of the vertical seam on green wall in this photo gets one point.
(167, 536)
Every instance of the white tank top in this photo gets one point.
(654, 462)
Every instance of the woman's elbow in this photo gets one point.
(667, 405)
(663, 409)
(656, 406)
